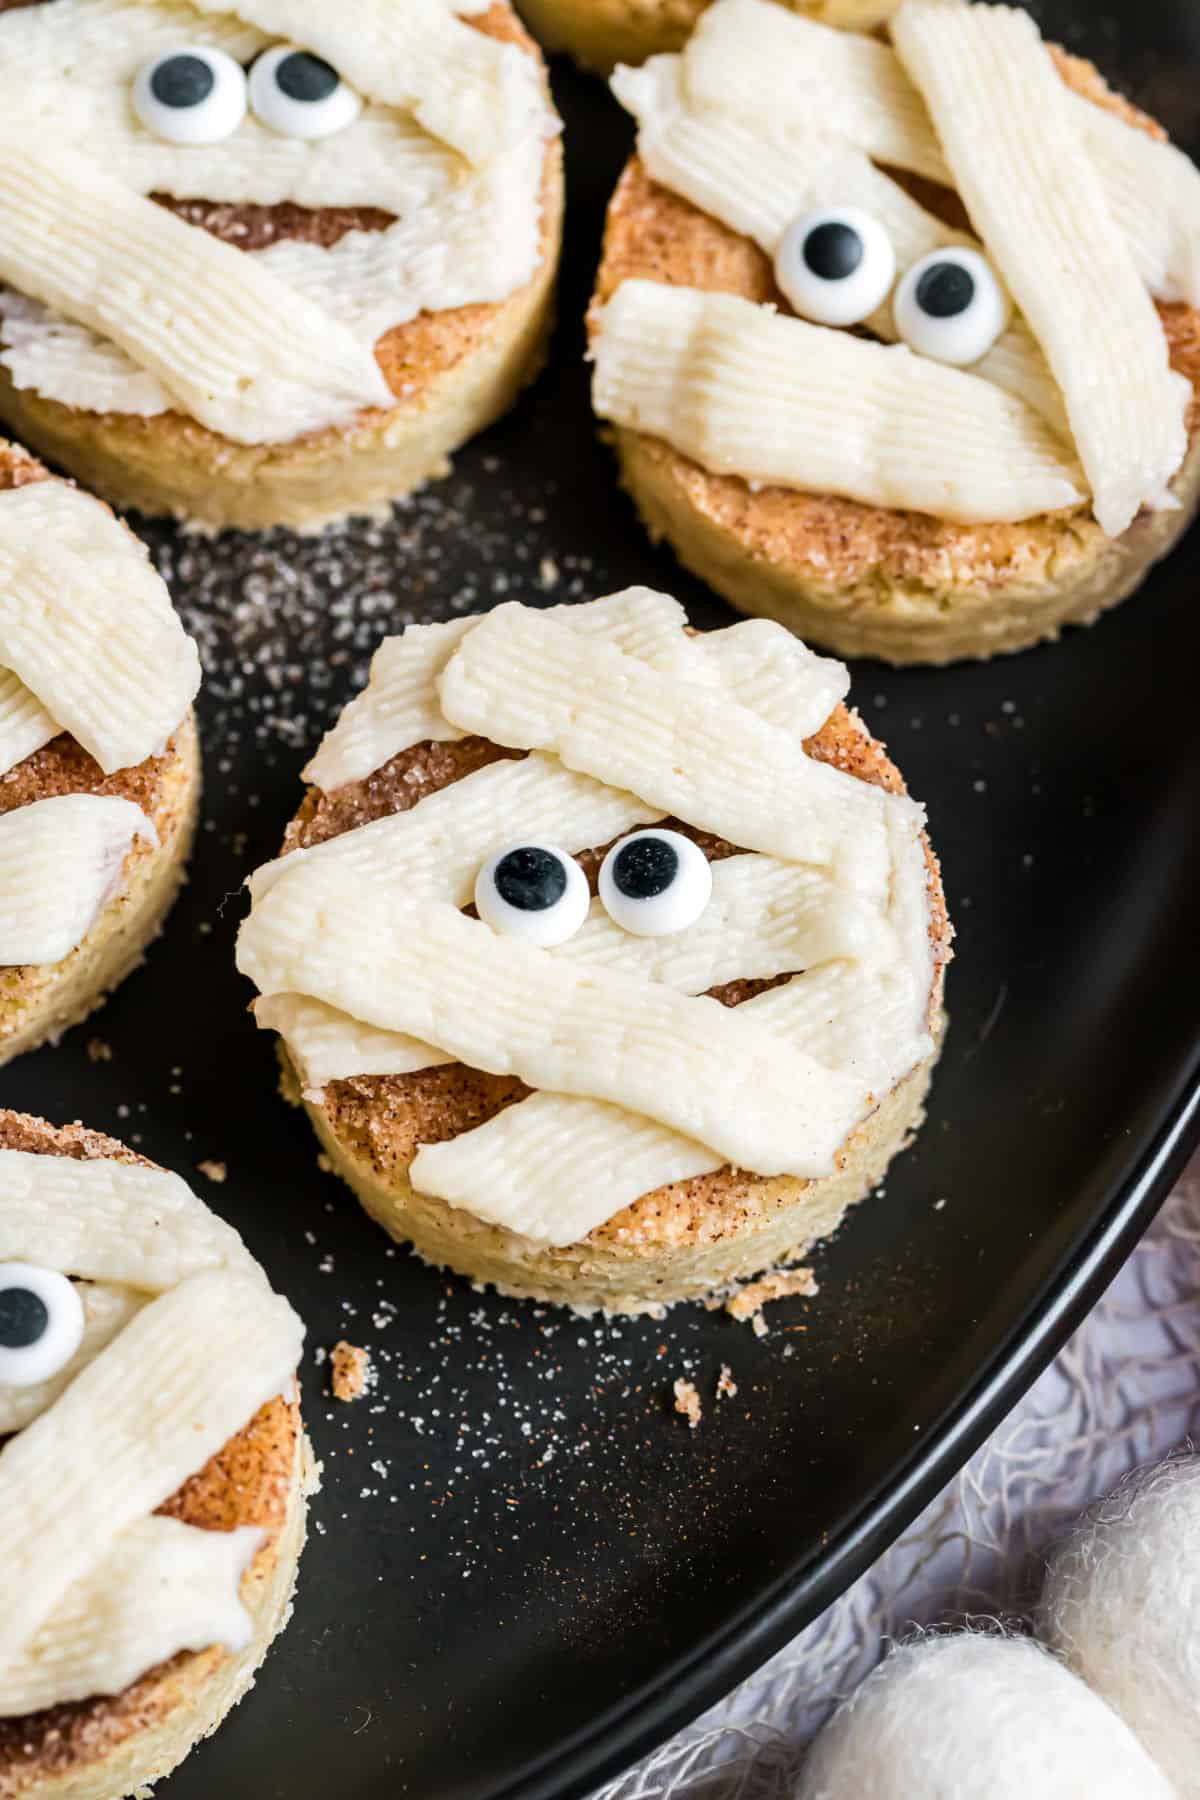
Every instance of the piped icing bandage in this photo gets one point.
(366, 965)
(115, 304)
(747, 391)
(91, 645)
(177, 1359)
(768, 118)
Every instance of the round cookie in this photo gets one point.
(683, 1240)
(602, 33)
(449, 372)
(104, 1747)
(40, 1001)
(859, 579)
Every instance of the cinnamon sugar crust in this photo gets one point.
(867, 580)
(251, 1481)
(380, 1121)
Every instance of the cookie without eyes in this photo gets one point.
(99, 761)
(251, 281)
(153, 1465)
(843, 407)
(607, 958)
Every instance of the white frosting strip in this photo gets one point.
(184, 1376)
(476, 244)
(757, 182)
(112, 1222)
(506, 1007)
(762, 665)
(163, 1588)
(469, 90)
(234, 346)
(511, 1170)
(106, 1311)
(434, 850)
(529, 681)
(755, 58)
(765, 918)
(327, 1045)
(61, 860)
(87, 623)
(773, 399)
(1022, 169)
(25, 725)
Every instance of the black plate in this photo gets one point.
(525, 1569)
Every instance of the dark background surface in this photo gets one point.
(523, 1567)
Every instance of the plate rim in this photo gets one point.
(754, 1631)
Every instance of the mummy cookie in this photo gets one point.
(599, 33)
(99, 764)
(266, 263)
(153, 1465)
(839, 407)
(606, 958)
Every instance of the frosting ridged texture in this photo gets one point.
(113, 304)
(362, 955)
(766, 115)
(89, 644)
(185, 1343)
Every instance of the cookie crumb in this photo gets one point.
(726, 1385)
(349, 1378)
(687, 1403)
(749, 1301)
(98, 1051)
(216, 1171)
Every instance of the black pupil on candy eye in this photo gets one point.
(531, 880)
(645, 868)
(23, 1318)
(182, 81)
(833, 251)
(304, 77)
(945, 290)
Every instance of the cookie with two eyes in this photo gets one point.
(897, 341)
(600, 33)
(99, 760)
(606, 958)
(267, 263)
(153, 1465)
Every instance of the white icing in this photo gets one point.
(744, 390)
(61, 861)
(169, 1368)
(88, 633)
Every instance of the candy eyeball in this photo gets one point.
(41, 1324)
(655, 882)
(192, 95)
(836, 265)
(301, 95)
(533, 891)
(951, 306)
